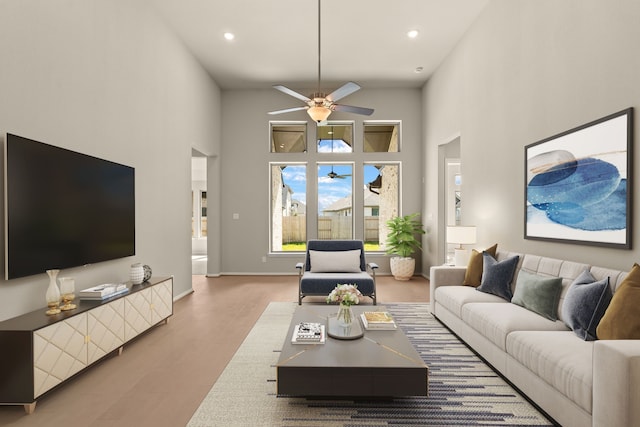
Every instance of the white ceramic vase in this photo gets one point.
(136, 274)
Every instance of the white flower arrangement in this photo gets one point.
(345, 294)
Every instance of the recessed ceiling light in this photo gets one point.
(413, 34)
(229, 36)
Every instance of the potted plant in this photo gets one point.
(402, 242)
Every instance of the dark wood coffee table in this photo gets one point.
(380, 364)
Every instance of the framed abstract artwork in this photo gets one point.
(578, 184)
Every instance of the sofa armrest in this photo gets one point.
(372, 265)
(616, 382)
(299, 265)
(444, 275)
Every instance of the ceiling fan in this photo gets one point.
(332, 174)
(320, 105)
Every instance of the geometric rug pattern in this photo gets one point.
(463, 390)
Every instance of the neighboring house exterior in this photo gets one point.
(344, 206)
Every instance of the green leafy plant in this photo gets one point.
(401, 237)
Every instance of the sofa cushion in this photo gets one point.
(473, 275)
(621, 320)
(560, 359)
(585, 304)
(454, 297)
(335, 261)
(538, 294)
(497, 275)
(497, 320)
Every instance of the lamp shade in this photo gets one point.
(461, 235)
(319, 114)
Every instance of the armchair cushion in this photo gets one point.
(335, 261)
(323, 283)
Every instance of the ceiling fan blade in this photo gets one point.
(344, 90)
(351, 109)
(293, 93)
(288, 110)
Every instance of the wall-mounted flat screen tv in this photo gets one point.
(64, 209)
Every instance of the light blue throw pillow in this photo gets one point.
(497, 276)
(538, 294)
(585, 304)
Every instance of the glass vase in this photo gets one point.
(345, 315)
(67, 291)
(53, 293)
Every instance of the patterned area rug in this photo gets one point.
(463, 391)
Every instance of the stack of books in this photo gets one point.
(378, 320)
(103, 292)
(308, 333)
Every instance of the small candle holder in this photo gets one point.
(67, 291)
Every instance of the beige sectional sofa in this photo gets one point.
(578, 383)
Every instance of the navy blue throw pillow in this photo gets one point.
(497, 276)
(585, 304)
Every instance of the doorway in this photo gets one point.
(199, 225)
(450, 197)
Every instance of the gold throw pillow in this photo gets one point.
(621, 320)
(473, 275)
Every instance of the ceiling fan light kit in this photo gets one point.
(319, 106)
(319, 114)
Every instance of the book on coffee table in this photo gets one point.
(378, 320)
(308, 333)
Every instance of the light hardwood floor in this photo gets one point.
(161, 378)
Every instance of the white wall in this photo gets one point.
(244, 164)
(527, 70)
(106, 78)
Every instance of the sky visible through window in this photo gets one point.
(329, 189)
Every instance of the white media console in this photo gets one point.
(40, 352)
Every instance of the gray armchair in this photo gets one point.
(332, 262)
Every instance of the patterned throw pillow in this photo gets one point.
(585, 304)
(497, 276)
(473, 275)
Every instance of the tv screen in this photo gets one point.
(64, 209)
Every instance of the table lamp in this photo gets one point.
(461, 235)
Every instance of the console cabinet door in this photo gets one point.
(59, 351)
(162, 300)
(137, 313)
(105, 329)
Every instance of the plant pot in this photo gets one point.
(402, 268)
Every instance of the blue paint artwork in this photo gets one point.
(585, 194)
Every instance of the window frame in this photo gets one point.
(398, 210)
(271, 165)
(284, 123)
(398, 123)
